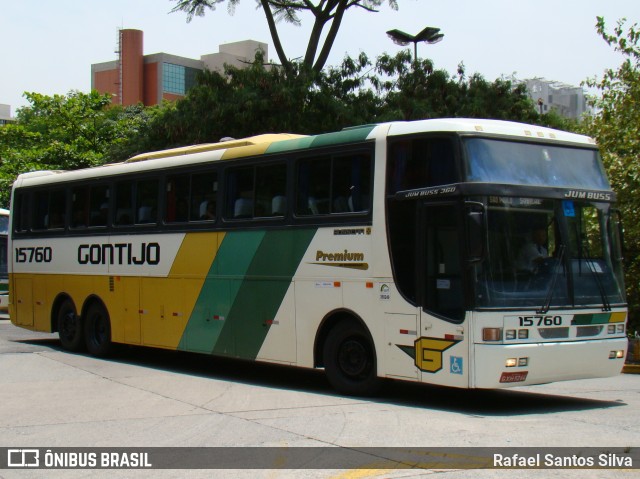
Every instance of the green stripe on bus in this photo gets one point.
(350, 135)
(262, 292)
(243, 291)
(597, 318)
(219, 291)
(289, 145)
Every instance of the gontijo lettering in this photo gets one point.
(119, 253)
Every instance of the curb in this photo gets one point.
(631, 369)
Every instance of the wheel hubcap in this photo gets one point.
(353, 358)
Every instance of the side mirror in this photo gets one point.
(475, 214)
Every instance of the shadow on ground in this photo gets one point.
(472, 402)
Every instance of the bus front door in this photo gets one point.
(441, 351)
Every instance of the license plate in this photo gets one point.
(514, 377)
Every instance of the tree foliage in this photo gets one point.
(616, 128)
(62, 132)
(414, 90)
(327, 14)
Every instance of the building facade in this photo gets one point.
(5, 114)
(149, 79)
(569, 101)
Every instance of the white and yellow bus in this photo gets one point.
(381, 251)
(4, 276)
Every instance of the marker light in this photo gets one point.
(491, 334)
(511, 362)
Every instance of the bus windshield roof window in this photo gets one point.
(499, 161)
(538, 244)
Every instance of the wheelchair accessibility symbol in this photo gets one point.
(455, 365)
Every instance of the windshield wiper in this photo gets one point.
(606, 306)
(547, 302)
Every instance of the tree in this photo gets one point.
(616, 128)
(325, 12)
(248, 101)
(62, 132)
(414, 90)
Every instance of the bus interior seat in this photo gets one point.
(243, 208)
(144, 214)
(123, 216)
(313, 205)
(278, 205)
(202, 210)
(340, 205)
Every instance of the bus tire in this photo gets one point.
(70, 327)
(349, 360)
(97, 330)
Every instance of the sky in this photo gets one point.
(48, 46)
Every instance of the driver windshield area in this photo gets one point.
(544, 253)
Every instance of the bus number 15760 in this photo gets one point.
(540, 320)
(38, 254)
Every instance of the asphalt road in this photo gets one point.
(153, 398)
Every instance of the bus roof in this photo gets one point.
(222, 145)
(286, 142)
(488, 127)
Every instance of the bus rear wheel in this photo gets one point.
(69, 327)
(97, 330)
(349, 360)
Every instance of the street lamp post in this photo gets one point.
(428, 35)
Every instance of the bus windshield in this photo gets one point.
(499, 161)
(549, 253)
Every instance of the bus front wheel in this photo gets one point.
(349, 360)
(69, 327)
(97, 330)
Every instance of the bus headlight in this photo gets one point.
(511, 362)
(491, 334)
(616, 354)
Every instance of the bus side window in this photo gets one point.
(147, 201)
(177, 199)
(41, 218)
(49, 210)
(57, 209)
(313, 186)
(240, 193)
(79, 207)
(351, 183)
(124, 203)
(271, 186)
(21, 213)
(99, 205)
(204, 192)
(421, 163)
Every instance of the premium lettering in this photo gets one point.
(119, 253)
(341, 257)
